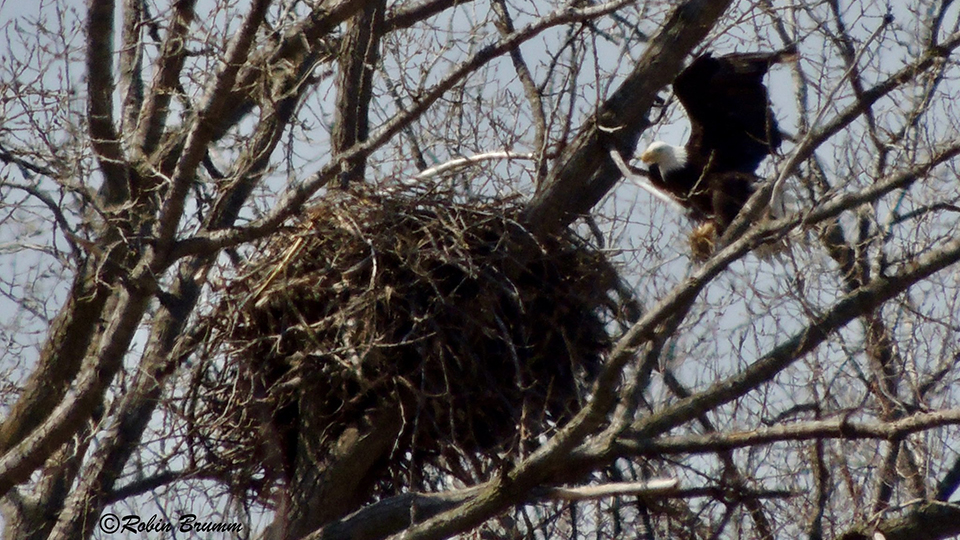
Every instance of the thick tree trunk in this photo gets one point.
(358, 58)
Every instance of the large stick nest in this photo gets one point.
(480, 335)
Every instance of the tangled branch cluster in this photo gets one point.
(480, 335)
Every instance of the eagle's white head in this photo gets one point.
(666, 156)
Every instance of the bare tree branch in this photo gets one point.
(506, 27)
(801, 431)
(103, 132)
(928, 521)
(407, 16)
(359, 56)
(173, 53)
(131, 64)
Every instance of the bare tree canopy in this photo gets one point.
(357, 269)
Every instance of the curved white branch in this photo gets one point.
(656, 486)
(643, 183)
(461, 162)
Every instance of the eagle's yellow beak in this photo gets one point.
(648, 157)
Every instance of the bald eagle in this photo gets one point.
(732, 129)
